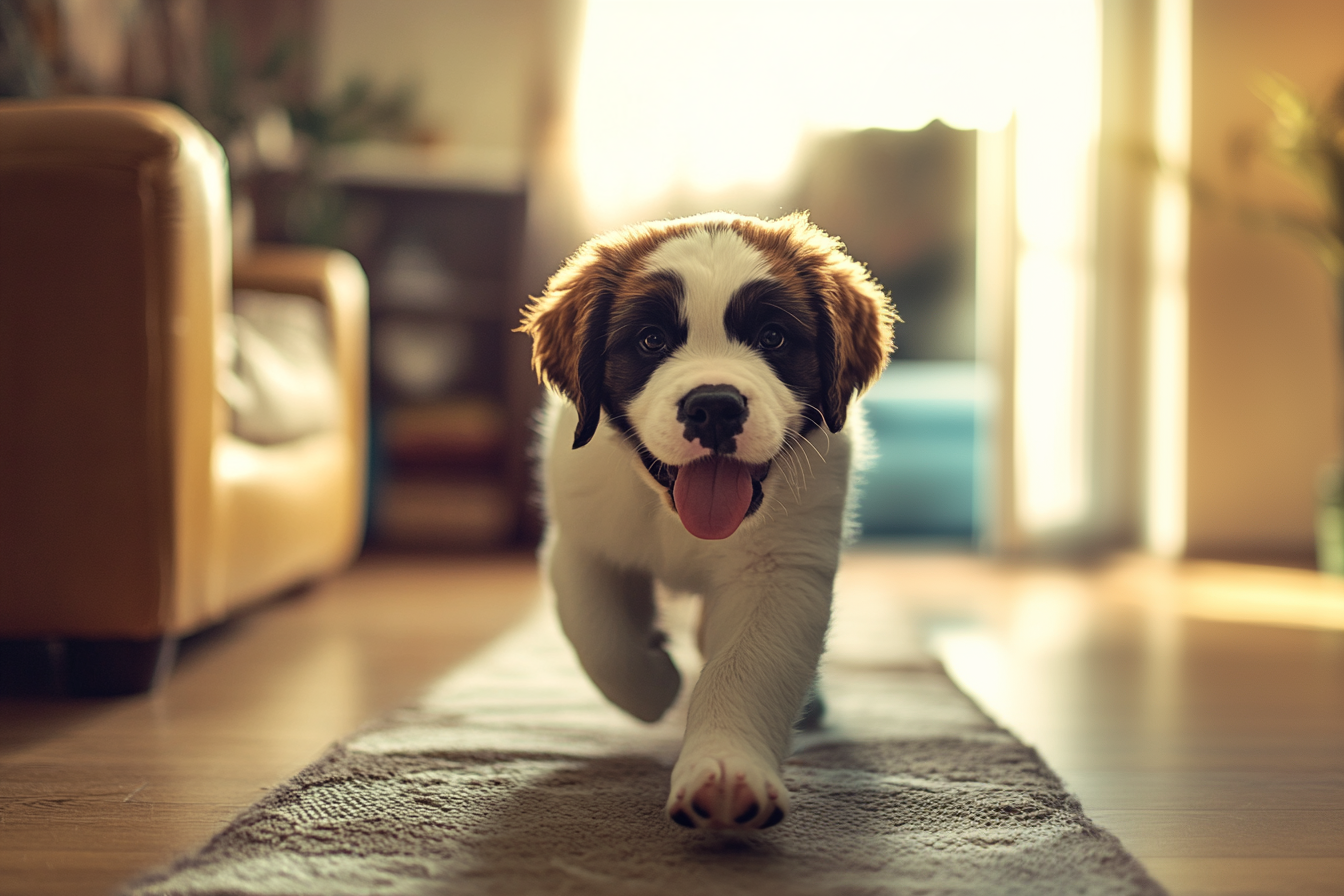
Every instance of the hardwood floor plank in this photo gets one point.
(15, 863)
(192, 783)
(1207, 790)
(67, 871)
(115, 827)
(1263, 833)
(1233, 876)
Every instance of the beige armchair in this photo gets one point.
(129, 514)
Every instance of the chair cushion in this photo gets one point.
(277, 371)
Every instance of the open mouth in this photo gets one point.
(711, 495)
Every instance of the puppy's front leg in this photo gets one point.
(608, 614)
(762, 639)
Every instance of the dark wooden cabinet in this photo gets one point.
(450, 397)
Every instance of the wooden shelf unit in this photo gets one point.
(450, 411)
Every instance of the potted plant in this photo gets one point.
(1307, 140)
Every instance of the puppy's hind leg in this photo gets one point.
(608, 614)
(814, 710)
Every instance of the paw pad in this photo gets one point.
(726, 792)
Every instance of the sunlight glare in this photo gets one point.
(1168, 311)
(698, 96)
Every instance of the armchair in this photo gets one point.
(130, 515)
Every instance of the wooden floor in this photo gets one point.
(1197, 710)
(92, 792)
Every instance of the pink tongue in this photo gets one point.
(712, 496)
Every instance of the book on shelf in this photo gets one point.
(424, 512)
(462, 431)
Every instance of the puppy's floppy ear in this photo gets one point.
(854, 338)
(568, 326)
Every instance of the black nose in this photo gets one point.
(713, 414)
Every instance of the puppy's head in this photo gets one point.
(711, 343)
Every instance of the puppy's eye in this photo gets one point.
(653, 341)
(771, 337)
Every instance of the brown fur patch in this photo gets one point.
(858, 321)
(568, 321)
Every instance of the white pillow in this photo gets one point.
(276, 369)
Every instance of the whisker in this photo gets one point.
(792, 473)
(815, 450)
(794, 438)
(798, 459)
(823, 428)
(798, 442)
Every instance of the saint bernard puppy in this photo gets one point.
(706, 367)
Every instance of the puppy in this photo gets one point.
(706, 367)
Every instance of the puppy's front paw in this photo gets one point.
(726, 790)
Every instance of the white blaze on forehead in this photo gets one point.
(712, 265)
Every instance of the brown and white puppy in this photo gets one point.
(706, 367)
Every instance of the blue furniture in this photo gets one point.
(926, 421)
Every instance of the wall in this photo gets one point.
(1263, 350)
(476, 62)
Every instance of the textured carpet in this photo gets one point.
(513, 776)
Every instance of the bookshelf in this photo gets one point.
(441, 239)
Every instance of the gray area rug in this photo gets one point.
(513, 776)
